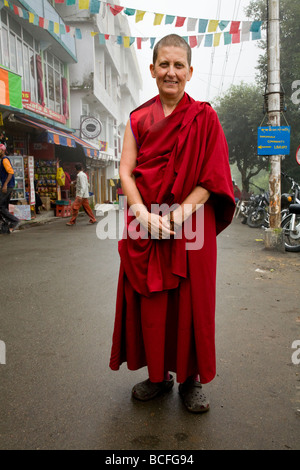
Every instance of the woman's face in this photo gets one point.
(171, 71)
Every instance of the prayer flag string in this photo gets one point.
(209, 32)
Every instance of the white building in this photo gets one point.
(104, 84)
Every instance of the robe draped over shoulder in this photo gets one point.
(166, 293)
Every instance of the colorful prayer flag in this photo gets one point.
(126, 40)
(139, 15)
(255, 27)
(129, 11)
(83, 4)
(212, 26)
(158, 19)
(115, 9)
(234, 27)
(236, 37)
(208, 40)
(202, 26)
(223, 24)
(193, 41)
(227, 38)
(217, 38)
(169, 19)
(180, 21)
(95, 7)
(191, 24)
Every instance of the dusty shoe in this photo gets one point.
(147, 390)
(193, 397)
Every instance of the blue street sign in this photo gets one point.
(273, 140)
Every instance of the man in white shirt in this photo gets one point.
(82, 194)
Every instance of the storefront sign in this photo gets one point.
(37, 108)
(10, 89)
(31, 180)
(90, 127)
(26, 97)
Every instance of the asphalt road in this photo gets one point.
(58, 287)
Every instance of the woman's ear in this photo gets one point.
(152, 70)
(190, 74)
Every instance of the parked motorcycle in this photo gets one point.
(291, 221)
(258, 215)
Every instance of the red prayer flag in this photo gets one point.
(115, 9)
(41, 22)
(234, 27)
(236, 38)
(59, 1)
(139, 43)
(16, 11)
(180, 21)
(106, 36)
(68, 29)
(193, 41)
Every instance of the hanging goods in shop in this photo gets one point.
(60, 176)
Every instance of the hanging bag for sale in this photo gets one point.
(60, 177)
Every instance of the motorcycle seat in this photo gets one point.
(294, 208)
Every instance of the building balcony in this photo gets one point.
(64, 46)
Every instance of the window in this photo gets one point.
(13, 52)
(53, 79)
(17, 52)
(85, 109)
(5, 50)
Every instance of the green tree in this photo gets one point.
(290, 69)
(240, 113)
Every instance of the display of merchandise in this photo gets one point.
(19, 189)
(45, 176)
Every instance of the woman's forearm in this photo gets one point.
(196, 198)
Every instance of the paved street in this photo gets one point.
(58, 288)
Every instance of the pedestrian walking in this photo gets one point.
(174, 156)
(82, 194)
(7, 179)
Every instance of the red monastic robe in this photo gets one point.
(165, 309)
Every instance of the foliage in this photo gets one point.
(290, 69)
(240, 113)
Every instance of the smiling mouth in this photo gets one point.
(171, 82)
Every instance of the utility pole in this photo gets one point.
(273, 235)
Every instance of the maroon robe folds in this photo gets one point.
(165, 309)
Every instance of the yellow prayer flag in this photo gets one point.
(212, 26)
(158, 18)
(56, 28)
(93, 33)
(126, 40)
(217, 37)
(6, 3)
(83, 4)
(31, 17)
(139, 15)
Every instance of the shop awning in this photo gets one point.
(58, 137)
(53, 136)
(89, 150)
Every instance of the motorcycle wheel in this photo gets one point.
(256, 218)
(291, 239)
